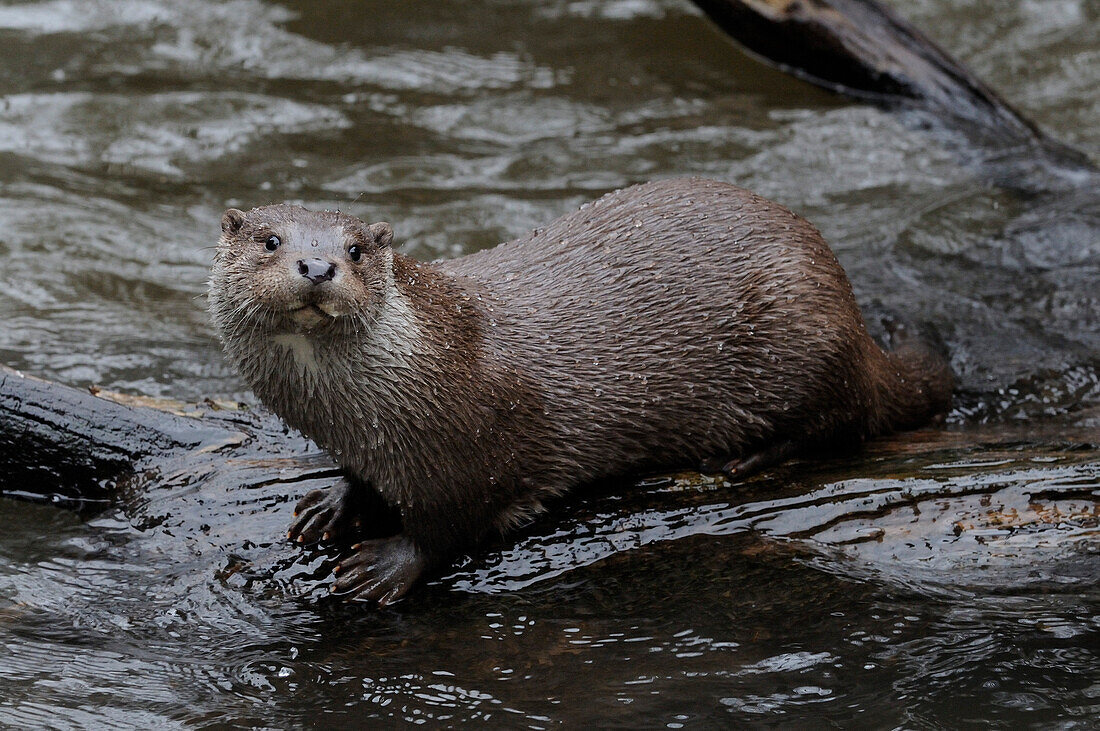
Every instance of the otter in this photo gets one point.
(666, 325)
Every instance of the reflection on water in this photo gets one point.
(881, 590)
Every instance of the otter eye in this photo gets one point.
(272, 243)
(355, 253)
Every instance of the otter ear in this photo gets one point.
(381, 232)
(232, 221)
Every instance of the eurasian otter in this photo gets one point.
(660, 326)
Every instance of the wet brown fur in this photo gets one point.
(660, 326)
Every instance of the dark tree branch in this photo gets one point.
(862, 49)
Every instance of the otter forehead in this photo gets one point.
(302, 229)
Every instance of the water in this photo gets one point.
(934, 580)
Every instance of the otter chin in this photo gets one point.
(673, 324)
(312, 315)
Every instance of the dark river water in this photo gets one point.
(936, 580)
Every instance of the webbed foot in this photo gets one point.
(380, 570)
(323, 515)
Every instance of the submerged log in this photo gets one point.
(864, 50)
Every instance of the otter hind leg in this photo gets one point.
(380, 570)
(323, 515)
(742, 467)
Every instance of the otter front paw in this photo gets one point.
(380, 570)
(323, 515)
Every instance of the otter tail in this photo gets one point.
(917, 384)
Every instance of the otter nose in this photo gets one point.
(316, 270)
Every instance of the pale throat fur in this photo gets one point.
(342, 384)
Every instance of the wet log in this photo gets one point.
(207, 491)
(863, 49)
(73, 446)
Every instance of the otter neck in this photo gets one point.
(320, 381)
(360, 389)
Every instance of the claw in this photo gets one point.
(379, 570)
(323, 514)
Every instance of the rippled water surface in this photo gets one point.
(935, 580)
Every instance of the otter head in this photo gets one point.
(283, 268)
